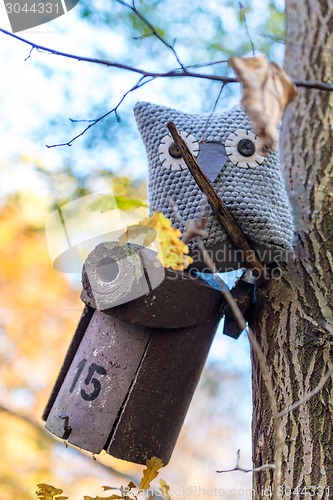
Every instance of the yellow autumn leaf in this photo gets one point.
(154, 464)
(165, 489)
(48, 492)
(172, 252)
(139, 234)
(112, 497)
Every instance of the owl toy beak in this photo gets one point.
(212, 158)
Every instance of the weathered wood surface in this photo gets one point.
(177, 301)
(128, 388)
(125, 387)
(74, 345)
(114, 274)
(152, 416)
(97, 382)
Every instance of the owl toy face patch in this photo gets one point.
(169, 154)
(226, 149)
(241, 146)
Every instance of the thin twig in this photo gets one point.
(232, 228)
(44, 434)
(308, 395)
(154, 32)
(264, 370)
(243, 18)
(29, 55)
(217, 99)
(277, 466)
(241, 469)
(211, 114)
(168, 74)
(308, 84)
(221, 211)
(142, 81)
(113, 64)
(146, 76)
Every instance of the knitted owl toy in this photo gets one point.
(249, 184)
(145, 332)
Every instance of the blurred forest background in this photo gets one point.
(40, 307)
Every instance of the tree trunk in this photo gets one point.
(293, 316)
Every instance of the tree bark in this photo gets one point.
(293, 316)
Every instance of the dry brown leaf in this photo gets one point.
(194, 229)
(267, 90)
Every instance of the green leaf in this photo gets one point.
(106, 202)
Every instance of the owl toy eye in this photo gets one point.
(169, 154)
(241, 147)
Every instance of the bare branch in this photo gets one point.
(205, 64)
(154, 31)
(237, 467)
(277, 466)
(216, 203)
(264, 371)
(243, 19)
(142, 81)
(29, 55)
(308, 395)
(112, 64)
(232, 228)
(168, 74)
(308, 84)
(146, 76)
(217, 100)
(44, 434)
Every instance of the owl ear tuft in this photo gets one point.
(147, 115)
(140, 107)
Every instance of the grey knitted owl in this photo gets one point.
(250, 185)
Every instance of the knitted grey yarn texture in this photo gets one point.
(255, 193)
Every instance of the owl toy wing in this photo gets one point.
(250, 185)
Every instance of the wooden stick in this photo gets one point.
(219, 208)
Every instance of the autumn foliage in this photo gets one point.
(267, 91)
(129, 492)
